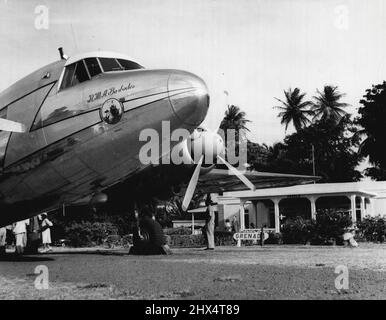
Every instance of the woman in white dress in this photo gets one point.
(46, 232)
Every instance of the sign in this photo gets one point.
(249, 235)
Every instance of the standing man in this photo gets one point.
(235, 225)
(3, 237)
(209, 226)
(20, 231)
(33, 236)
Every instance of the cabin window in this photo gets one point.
(129, 65)
(93, 66)
(110, 64)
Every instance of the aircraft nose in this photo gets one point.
(188, 97)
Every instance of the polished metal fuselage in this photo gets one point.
(68, 152)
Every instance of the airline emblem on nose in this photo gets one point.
(111, 111)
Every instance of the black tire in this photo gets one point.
(152, 238)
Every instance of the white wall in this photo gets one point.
(379, 206)
(229, 210)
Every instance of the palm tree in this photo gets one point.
(234, 119)
(294, 109)
(327, 105)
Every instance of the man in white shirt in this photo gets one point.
(20, 231)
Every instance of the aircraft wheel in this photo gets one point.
(151, 238)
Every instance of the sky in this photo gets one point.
(249, 48)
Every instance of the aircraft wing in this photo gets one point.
(215, 181)
(220, 180)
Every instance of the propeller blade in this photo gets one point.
(192, 185)
(12, 126)
(238, 174)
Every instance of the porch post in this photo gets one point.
(254, 203)
(192, 222)
(353, 208)
(363, 209)
(277, 214)
(313, 207)
(242, 219)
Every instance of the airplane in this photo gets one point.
(70, 135)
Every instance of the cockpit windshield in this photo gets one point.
(93, 66)
(109, 64)
(88, 68)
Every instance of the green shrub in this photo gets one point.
(187, 241)
(178, 238)
(372, 228)
(328, 228)
(81, 234)
(297, 230)
(274, 238)
(223, 238)
(178, 231)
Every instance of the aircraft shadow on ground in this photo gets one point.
(14, 258)
(91, 252)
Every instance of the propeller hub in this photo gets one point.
(205, 143)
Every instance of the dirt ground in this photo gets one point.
(269, 272)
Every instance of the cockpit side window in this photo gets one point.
(68, 75)
(3, 113)
(81, 74)
(93, 66)
(74, 73)
(110, 64)
(129, 65)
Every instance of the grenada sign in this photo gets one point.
(249, 235)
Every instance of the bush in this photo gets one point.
(187, 241)
(223, 238)
(81, 234)
(328, 228)
(297, 230)
(183, 238)
(274, 238)
(178, 231)
(372, 228)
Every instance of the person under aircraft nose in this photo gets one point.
(209, 226)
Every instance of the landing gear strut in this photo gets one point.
(148, 237)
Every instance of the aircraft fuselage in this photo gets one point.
(85, 138)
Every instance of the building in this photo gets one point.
(270, 207)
